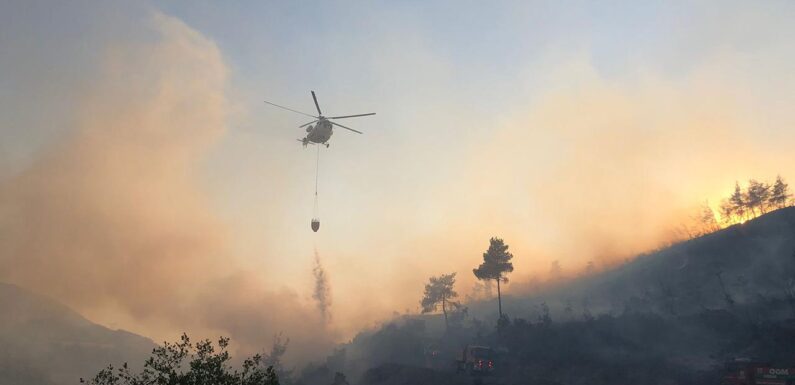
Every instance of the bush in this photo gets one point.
(205, 366)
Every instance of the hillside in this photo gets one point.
(45, 342)
(742, 264)
(669, 316)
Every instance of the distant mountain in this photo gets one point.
(43, 342)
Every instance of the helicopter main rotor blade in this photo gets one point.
(290, 109)
(316, 105)
(351, 116)
(347, 128)
(304, 125)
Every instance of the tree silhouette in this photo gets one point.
(439, 291)
(757, 199)
(496, 263)
(205, 366)
(274, 357)
(339, 379)
(779, 195)
(707, 219)
(756, 196)
(737, 201)
(726, 211)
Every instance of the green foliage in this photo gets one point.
(496, 262)
(438, 291)
(205, 366)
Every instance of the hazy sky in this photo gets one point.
(135, 146)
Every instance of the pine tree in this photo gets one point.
(779, 195)
(439, 291)
(737, 202)
(496, 263)
(757, 196)
(726, 211)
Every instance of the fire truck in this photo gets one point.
(746, 372)
(476, 360)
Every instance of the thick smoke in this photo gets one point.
(597, 169)
(113, 221)
(568, 163)
(322, 293)
(113, 214)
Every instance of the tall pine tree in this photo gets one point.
(496, 263)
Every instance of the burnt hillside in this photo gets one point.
(669, 316)
(743, 264)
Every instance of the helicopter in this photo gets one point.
(322, 130)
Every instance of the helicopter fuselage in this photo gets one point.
(320, 133)
(322, 130)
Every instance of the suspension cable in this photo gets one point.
(317, 172)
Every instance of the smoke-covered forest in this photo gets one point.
(676, 315)
(397, 192)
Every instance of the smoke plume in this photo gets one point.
(113, 220)
(322, 293)
(555, 152)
